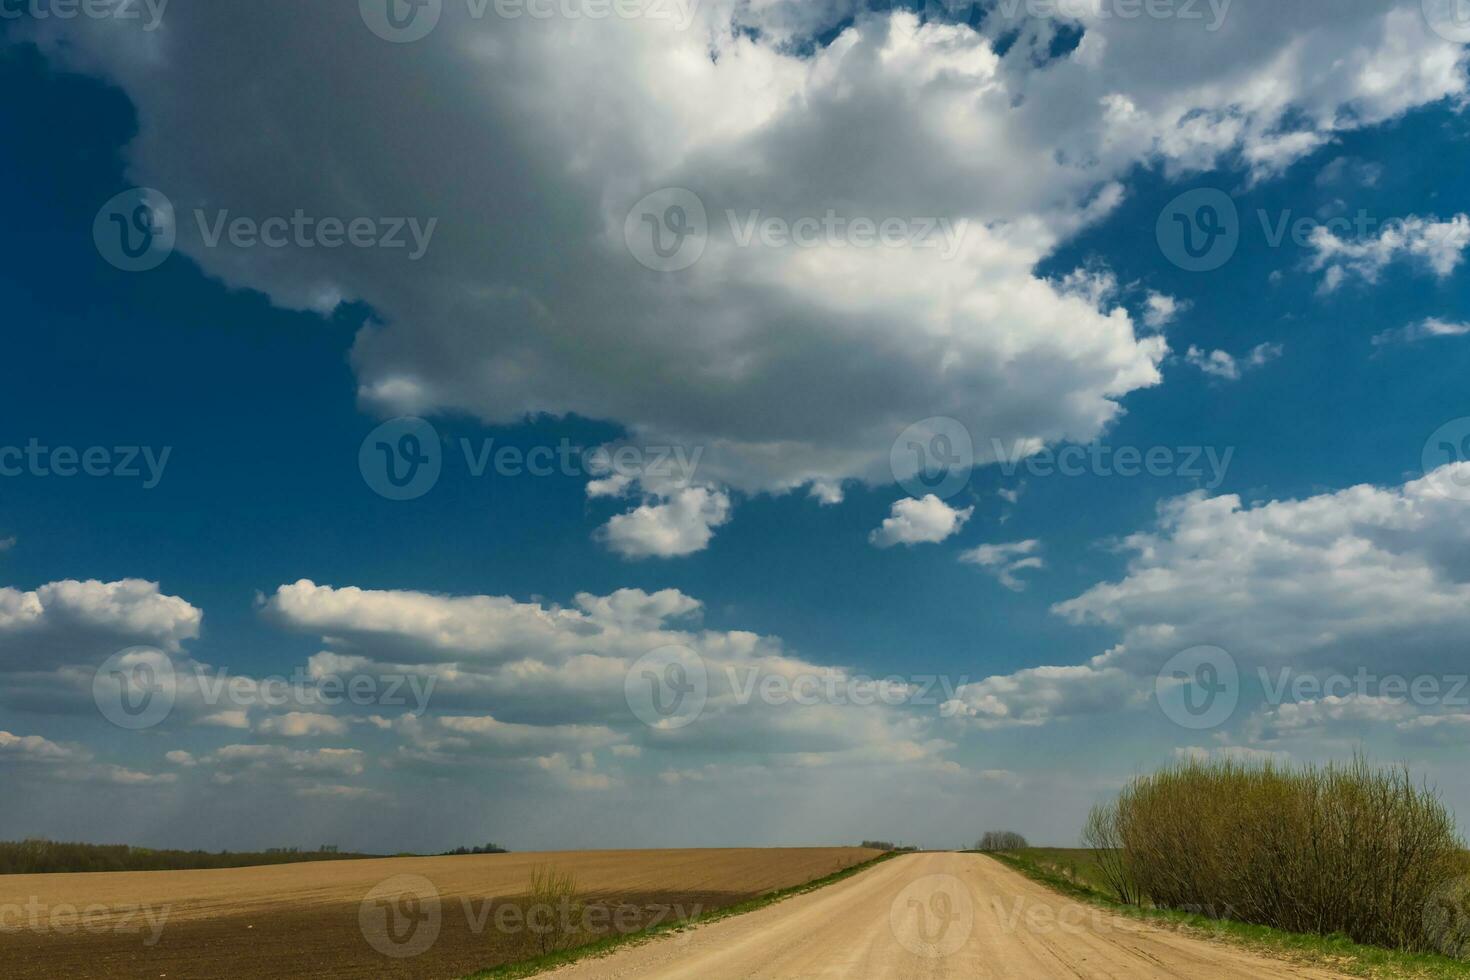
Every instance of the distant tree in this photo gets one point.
(1001, 840)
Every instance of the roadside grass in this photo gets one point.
(617, 941)
(1074, 872)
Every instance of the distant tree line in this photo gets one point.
(40, 856)
(486, 849)
(887, 845)
(1001, 840)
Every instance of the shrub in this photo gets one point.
(1349, 850)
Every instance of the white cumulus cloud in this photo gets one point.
(927, 520)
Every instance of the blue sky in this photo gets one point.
(534, 317)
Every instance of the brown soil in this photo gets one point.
(307, 920)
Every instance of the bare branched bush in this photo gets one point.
(1447, 919)
(1102, 835)
(553, 912)
(1001, 840)
(1352, 850)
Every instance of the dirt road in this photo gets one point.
(931, 916)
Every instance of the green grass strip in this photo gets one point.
(609, 944)
(1328, 952)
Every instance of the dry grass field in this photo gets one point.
(325, 920)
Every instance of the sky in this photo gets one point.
(681, 423)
